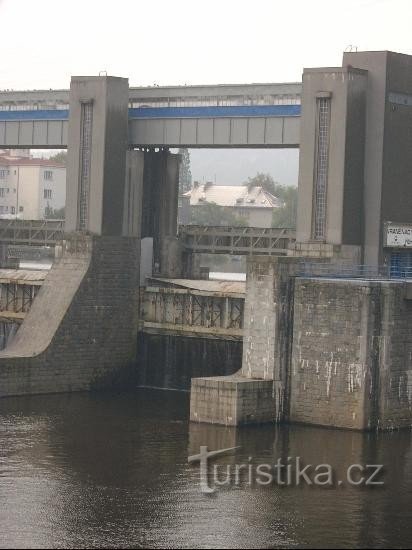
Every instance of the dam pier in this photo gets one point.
(318, 334)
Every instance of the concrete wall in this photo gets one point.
(388, 163)
(80, 333)
(268, 317)
(376, 65)
(259, 217)
(351, 363)
(27, 194)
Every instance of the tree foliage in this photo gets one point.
(60, 157)
(185, 173)
(285, 216)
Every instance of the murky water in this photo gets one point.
(111, 471)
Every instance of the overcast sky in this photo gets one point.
(43, 42)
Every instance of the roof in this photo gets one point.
(232, 195)
(227, 287)
(6, 159)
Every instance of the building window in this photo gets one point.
(321, 167)
(21, 208)
(3, 174)
(13, 210)
(2, 191)
(47, 193)
(48, 175)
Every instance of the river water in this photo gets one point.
(111, 470)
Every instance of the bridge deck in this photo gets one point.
(229, 126)
(236, 240)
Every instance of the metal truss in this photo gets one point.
(31, 232)
(198, 312)
(236, 240)
(16, 298)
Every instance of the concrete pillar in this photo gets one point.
(259, 392)
(159, 216)
(133, 194)
(97, 145)
(388, 159)
(331, 165)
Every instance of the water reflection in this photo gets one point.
(111, 470)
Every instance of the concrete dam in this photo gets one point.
(320, 333)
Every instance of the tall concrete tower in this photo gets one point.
(331, 166)
(355, 160)
(97, 145)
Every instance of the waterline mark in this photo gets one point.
(289, 472)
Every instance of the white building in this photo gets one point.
(30, 188)
(254, 205)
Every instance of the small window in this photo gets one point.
(47, 193)
(2, 191)
(48, 175)
(13, 210)
(3, 174)
(21, 208)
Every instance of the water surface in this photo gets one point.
(108, 470)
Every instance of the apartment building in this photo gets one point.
(30, 188)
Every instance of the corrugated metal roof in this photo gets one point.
(233, 195)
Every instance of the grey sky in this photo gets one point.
(193, 42)
(234, 166)
(188, 41)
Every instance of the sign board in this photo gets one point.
(398, 235)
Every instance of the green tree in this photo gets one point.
(263, 180)
(60, 157)
(211, 213)
(185, 174)
(285, 216)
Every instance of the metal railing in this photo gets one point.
(343, 271)
(211, 314)
(31, 232)
(236, 240)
